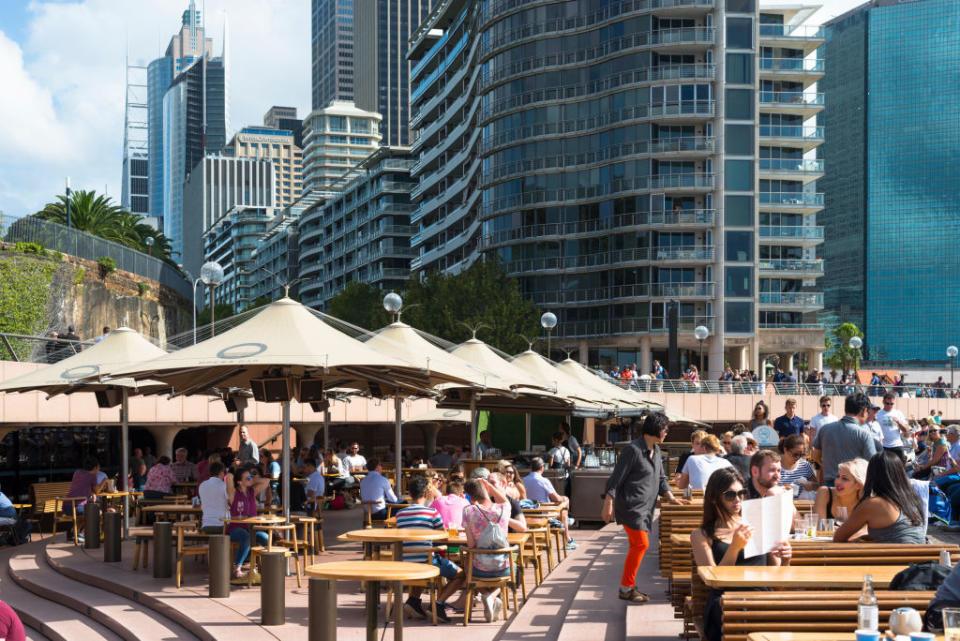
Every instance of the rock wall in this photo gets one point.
(78, 293)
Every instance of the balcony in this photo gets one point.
(814, 326)
(791, 36)
(798, 202)
(684, 254)
(791, 267)
(803, 169)
(621, 326)
(805, 236)
(594, 260)
(807, 70)
(793, 300)
(616, 293)
(793, 135)
(791, 102)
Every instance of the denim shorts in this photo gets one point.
(448, 569)
(490, 574)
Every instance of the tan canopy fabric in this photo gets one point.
(122, 347)
(536, 365)
(286, 339)
(584, 377)
(441, 416)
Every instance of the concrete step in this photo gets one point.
(128, 619)
(33, 635)
(654, 620)
(49, 621)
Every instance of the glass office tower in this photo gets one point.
(619, 156)
(891, 219)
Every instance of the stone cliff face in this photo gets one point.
(48, 293)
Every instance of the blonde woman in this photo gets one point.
(837, 502)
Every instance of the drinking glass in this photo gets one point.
(841, 513)
(830, 525)
(810, 526)
(951, 624)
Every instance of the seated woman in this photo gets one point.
(489, 510)
(243, 503)
(890, 508)
(723, 536)
(698, 467)
(837, 502)
(936, 454)
(515, 487)
(795, 470)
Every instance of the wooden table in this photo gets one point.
(372, 572)
(393, 536)
(179, 509)
(801, 577)
(806, 636)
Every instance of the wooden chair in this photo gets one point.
(431, 585)
(368, 520)
(141, 550)
(44, 498)
(292, 551)
(503, 582)
(308, 542)
(189, 531)
(60, 517)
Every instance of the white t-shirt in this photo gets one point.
(213, 498)
(699, 467)
(355, 462)
(875, 429)
(820, 420)
(891, 431)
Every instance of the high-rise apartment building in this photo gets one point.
(185, 46)
(890, 215)
(217, 186)
(332, 51)
(277, 146)
(233, 241)
(360, 233)
(381, 70)
(615, 161)
(336, 138)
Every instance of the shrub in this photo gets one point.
(30, 248)
(142, 288)
(107, 266)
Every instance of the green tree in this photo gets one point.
(223, 312)
(360, 304)
(839, 354)
(482, 296)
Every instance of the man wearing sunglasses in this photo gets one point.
(824, 417)
(844, 440)
(893, 425)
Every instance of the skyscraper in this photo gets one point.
(891, 219)
(381, 70)
(135, 190)
(276, 146)
(335, 139)
(617, 162)
(333, 51)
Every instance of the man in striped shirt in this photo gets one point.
(421, 516)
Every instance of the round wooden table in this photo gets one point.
(392, 536)
(372, 572)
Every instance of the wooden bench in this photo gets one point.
(807, 611)
(44, 499)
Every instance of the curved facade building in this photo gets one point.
(606, 152)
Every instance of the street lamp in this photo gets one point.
(212, 275)
(951, 354)
(701, 333)
(149, 243)
(548, 321)
(392, 303)
(855, 344)
(68, 201)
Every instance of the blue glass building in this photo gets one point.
(892, 225)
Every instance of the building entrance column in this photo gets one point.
(646, 365)
(786, 362)
(815, 359)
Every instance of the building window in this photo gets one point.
(738, 246)
(740, 68)
(738, 175)
(739, 104)
(739, 33)
(738, 317)
(741, 6)
(738, 211)
(739, 140)
(738, 281)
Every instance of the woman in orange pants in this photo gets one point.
(631, 495)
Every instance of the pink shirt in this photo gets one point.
(450, 508)
(160, 478)
(476, 518)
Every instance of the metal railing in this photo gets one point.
(680, 386)
(791, 131)
(807, 232)
(66, 240)
(792, 64)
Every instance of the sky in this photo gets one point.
(62, 73)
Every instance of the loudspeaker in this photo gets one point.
(108, 398)
(235, 403)
(375, 389)
(320, 406)
(271, 390)
(311, 389)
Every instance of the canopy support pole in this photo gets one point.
(326, 427)
(473, 426)
(526, 421)
(125, 458)
(285, 456)
(398, 459)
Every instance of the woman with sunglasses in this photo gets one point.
(244, 504)
(723, 536)
(890, 508)
(515, 487)
(795, 470)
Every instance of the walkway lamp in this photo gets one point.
(855, 344)
(548, 321)
(212, 275)
(149, 243)
(392, 303)
(952, 355)
(701, 333)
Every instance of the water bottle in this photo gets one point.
(868, 612)
(945, 558)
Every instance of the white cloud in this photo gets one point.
(66, 83)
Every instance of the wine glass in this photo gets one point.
(841, 515)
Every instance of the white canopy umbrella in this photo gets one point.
(625, 400)
(285, 351)
(120, 348)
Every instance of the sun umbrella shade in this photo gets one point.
(120, 348)
(441, 416)
(284, 352)
(536, 365)
(582, 375)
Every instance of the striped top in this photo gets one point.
(802, 472)
(418, 516)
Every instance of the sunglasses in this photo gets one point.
(825, 405)
(730, 495)
(796, 454)
(248, 477)
(509, 473)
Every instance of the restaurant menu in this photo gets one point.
(771, 518)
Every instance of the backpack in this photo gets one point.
(338, 503)
(940, 507)
(920, 576)
(491, 538)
